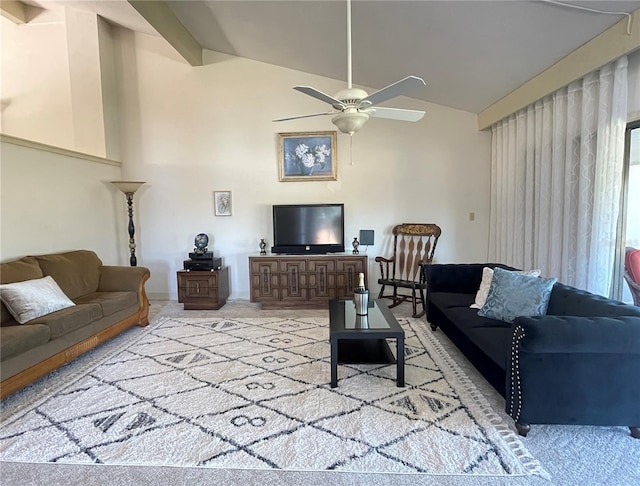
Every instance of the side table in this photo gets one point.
(203, 289)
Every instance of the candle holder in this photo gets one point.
(129, 188)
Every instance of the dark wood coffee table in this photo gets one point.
(358, 341)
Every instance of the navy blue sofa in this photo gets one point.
(579, 364)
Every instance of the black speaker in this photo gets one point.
(366, 237)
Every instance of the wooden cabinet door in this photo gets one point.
(347, 270)
(322, 279)
(293, 279)
(196, 286)
(265, 285)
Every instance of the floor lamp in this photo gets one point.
(129, 188)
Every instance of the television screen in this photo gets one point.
(308, 228)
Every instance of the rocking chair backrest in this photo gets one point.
(413, 244)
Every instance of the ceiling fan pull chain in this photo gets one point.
(351, 149)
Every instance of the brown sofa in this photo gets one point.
(109, 299)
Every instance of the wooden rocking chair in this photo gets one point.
(413, 246)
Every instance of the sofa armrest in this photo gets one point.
(461, 278)
(571, 334)
(574, 370)
(121, 278)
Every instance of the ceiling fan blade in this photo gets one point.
(319, 95)
(305, 116)
(398, 88)
(397, 114)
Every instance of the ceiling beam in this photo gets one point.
(164, 21)
(14, 11)
(602, 49)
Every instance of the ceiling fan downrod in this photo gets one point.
(351, 119)
(349, 85)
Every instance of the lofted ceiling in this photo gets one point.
(470, 53)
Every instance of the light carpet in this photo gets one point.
(254, 393)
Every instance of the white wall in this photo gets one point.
(35, 94)
(52, 202)
(191, 131)
(58, 86)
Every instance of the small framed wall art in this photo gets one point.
(307, 156)
(222, 203)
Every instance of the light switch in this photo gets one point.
(472, 216)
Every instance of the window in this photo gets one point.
(629, 221)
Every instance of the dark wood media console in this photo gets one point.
(304, 281)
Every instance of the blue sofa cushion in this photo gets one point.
(495, 342)
(492, 336)
(569, 301)
(513, 294)
(446, 300)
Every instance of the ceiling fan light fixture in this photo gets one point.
(355, 105)
(350, 123)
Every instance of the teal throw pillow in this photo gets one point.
(513, 294)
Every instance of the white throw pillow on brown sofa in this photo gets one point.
(33, 298)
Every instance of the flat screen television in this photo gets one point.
(308, 228)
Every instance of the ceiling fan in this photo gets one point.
(353, 106)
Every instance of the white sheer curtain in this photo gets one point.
(556, 175)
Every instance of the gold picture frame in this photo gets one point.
(308, 156)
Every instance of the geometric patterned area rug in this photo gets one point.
(254, 393)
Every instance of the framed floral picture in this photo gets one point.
(308, 156)
(222, 203)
